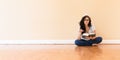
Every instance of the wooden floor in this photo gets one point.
(59, 52)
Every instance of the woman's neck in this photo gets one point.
(86, 25)
(86, 28)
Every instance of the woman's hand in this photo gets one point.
(92, 38)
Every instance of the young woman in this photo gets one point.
(87, 27)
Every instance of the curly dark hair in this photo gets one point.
(82, 25)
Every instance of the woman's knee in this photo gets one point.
(99, 39)
(78, 42)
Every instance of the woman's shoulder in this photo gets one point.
(92, 27)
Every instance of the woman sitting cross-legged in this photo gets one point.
(87, 33)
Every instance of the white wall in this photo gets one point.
(56, 19)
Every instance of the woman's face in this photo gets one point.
(86, 21)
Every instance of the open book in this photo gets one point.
(88, 35)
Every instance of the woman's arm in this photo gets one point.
(94, 36)
(79, 35)
(94, 31)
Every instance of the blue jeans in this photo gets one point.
(83, 42)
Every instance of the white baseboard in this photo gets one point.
(51, 42)
(110, 42)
